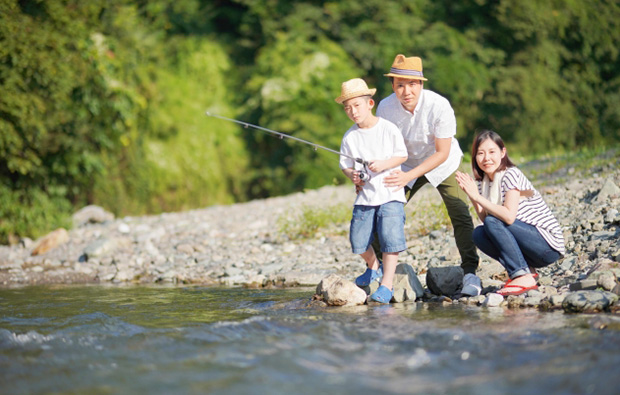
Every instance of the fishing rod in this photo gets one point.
(363, 175)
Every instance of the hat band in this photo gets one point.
(416, 73)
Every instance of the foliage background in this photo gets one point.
(103, 101)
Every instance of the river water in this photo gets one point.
(195, 340)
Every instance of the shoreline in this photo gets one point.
(242, 244)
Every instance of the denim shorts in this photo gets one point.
(387, 220)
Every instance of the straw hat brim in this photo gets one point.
(351, 95)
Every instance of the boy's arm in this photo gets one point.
(381, 165)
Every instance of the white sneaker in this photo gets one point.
(471, 285)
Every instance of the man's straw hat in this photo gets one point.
(410, 68)
(354, 88)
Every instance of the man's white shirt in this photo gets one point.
(432, 118)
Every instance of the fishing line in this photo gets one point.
(364, 175)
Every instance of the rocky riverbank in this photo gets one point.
(243, 244)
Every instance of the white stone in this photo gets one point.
(493, 300)
(337, 291)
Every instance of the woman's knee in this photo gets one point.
(493, 222)
(550, 256)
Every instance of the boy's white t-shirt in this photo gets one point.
(382, 141)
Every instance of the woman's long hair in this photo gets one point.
(480, 137)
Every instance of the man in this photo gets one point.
(428, 125)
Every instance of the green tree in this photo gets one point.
(293, 89)
(59, 108)
(187, 160)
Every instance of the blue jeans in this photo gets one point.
(515, 246)
(387, 220)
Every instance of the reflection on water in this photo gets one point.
(104, 339)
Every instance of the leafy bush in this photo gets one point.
(32, 212)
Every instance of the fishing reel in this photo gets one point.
(363, 175)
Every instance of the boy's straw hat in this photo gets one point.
(410, 68)
(354, 88)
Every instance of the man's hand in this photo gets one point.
(397, 179)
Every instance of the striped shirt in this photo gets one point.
(532, 210)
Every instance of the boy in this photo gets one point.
(377, 208)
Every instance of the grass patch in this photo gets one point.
(312, 220)
(423, 220)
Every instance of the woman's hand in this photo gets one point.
(396, 179)
(468, 185)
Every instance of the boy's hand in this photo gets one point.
(378, 165)
(355, 177)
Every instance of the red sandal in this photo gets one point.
(518, 289)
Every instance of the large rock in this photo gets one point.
(91, 214)
(337, 291)
(588, 301)
(446, 281)
(407, 286)
(50, 241)
(609, 189)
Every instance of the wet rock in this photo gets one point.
(336, 291)
(493, 300)
(605, 322)
(557, 300)
(515, 301)
(256, 281)
(588, 301)
(478, 300)
(446, 281)
(533, 300)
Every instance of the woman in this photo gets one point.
(518, 228)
